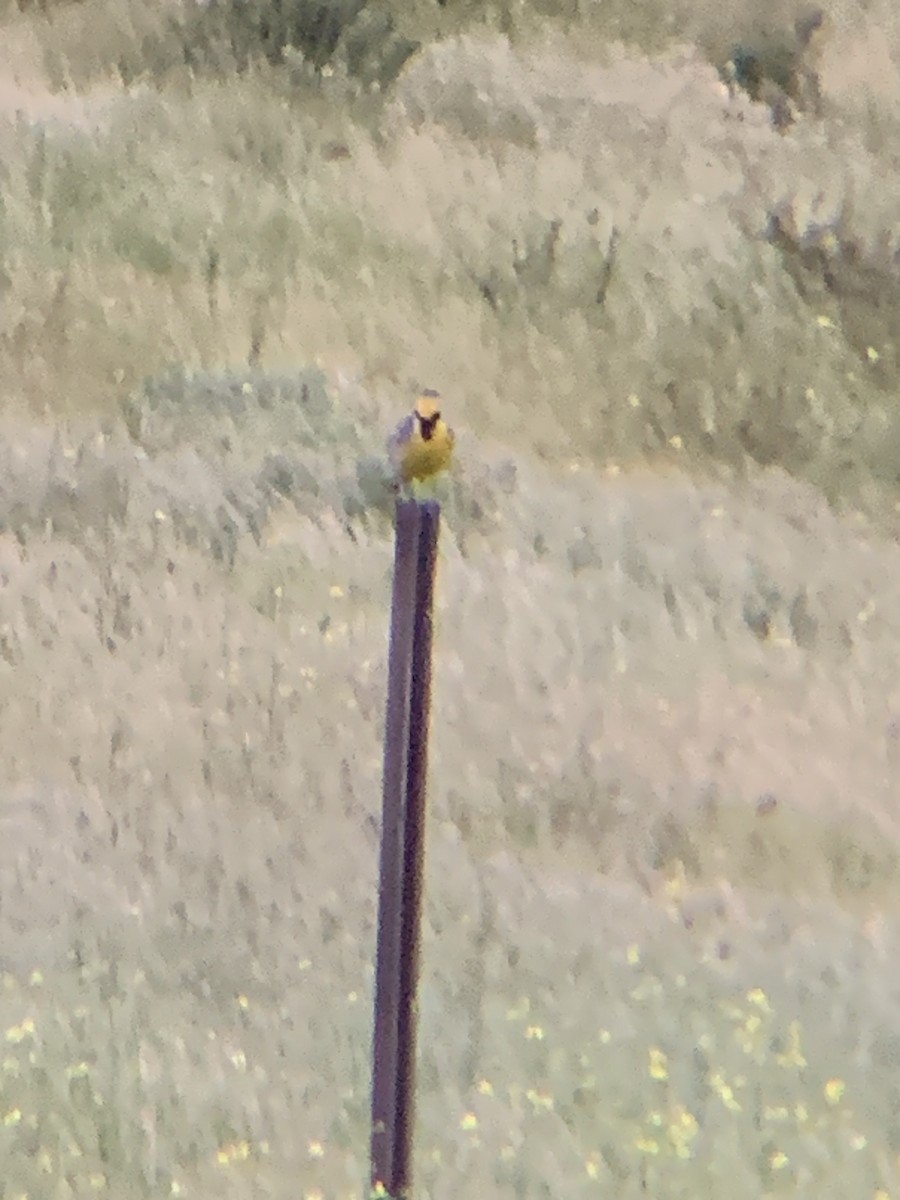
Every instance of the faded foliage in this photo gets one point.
(663, 842)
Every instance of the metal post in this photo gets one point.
(402, 846)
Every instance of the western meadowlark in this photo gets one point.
(422, 444)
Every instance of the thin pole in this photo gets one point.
(390, 908)
(414, 846)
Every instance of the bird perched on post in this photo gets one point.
(422, 444)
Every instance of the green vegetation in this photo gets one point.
(663, 852)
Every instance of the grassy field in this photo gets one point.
(663, 845)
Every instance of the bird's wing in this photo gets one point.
(399, 438)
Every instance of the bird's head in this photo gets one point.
(428, 412)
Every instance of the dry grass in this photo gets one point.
(663, 842)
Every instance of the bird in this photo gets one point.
(422, 444)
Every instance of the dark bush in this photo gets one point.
(269, 27)
(355, 32)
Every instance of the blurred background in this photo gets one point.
(648, 253)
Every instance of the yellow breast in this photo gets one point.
(421, 458)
